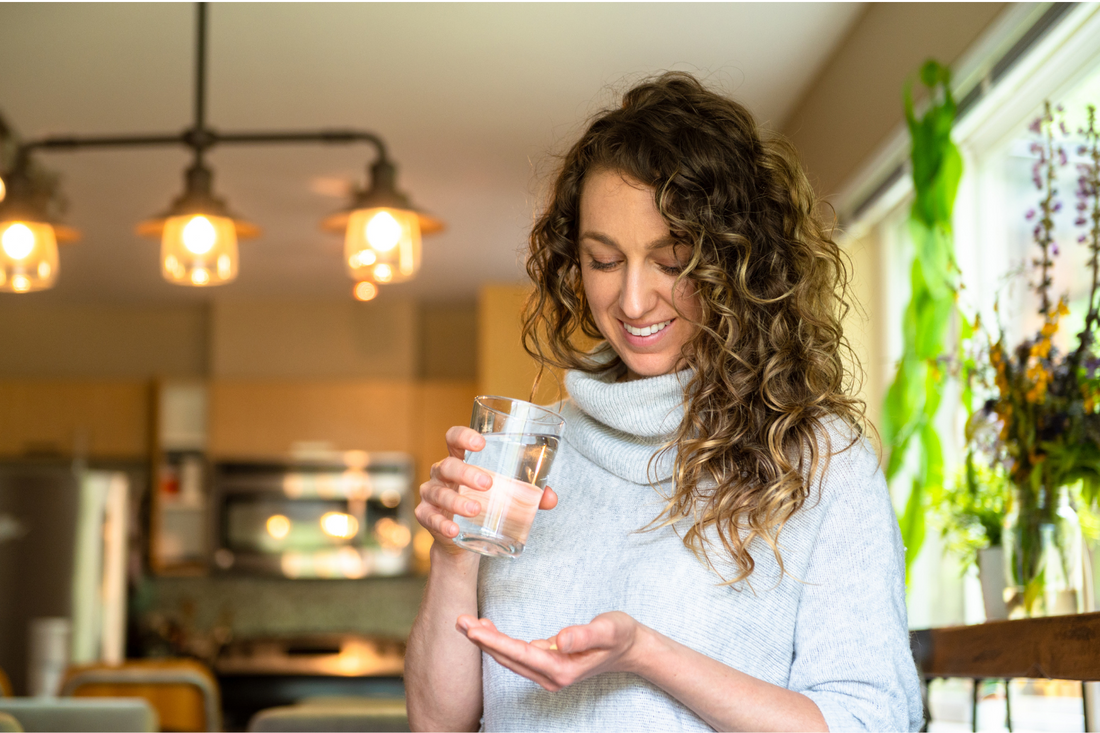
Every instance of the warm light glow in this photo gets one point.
(199, 250)
(199, 235)
(3, 190)
(339, 525)
(422, 543)
(28, 256)
(278, 526)
(385, 241)
(383, 232)
(390, 498)
(383, 273)
(365, 291)
(391, 534)
(350, 563)
(18, 241)
(366, 258)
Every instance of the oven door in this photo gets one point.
(314, 520)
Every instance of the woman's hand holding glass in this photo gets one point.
(440, 499)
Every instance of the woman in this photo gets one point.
(725, 553)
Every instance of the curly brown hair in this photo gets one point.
(771, 368)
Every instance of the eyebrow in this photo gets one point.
(659, 243)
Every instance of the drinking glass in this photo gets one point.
(520, 442)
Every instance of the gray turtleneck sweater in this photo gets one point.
(834, 628)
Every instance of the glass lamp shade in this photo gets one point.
(382, 245)
(28, 256)
(199, 250)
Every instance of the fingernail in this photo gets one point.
(473, 508)
(484, 481)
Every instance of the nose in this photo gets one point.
(638, 294)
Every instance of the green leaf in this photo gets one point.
(912, 525)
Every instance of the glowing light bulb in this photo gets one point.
(20, 283)
(383, 273)
(383, 232)
(199, 235)
(199, 276)
(339, 525)
(18, 241)
(365, 291)
(278, 526)
(366, 258)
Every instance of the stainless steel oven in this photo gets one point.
(342, 517)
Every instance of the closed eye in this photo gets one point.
(602, 266)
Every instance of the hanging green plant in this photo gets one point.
(913, 398)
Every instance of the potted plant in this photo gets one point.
(972, 513)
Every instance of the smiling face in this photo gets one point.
(629, 264)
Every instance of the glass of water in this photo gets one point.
(520, 442)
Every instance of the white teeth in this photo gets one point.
(646, 331)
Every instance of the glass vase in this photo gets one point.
(1043, 547)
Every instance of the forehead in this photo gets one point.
(619, 207)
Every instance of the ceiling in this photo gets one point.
(472, 100)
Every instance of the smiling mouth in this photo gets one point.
(646, 330)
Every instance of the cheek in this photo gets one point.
(688, 300)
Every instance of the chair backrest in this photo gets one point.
(183, 691)
(61, 714)
(334, 714)
(5, 685)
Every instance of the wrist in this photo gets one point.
(644, 649)
(452, 560)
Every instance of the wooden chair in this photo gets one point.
(5, 685)
(184, 692)
(1055, 647)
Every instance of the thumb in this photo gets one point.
(549, 499)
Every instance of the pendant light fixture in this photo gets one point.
(381, 229)
(199, 233)
(28, 236)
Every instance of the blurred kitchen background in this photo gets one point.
(168, 453)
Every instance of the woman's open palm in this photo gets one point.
(573, 654)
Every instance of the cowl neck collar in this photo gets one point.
(620, 425)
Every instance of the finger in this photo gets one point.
(549, 499)
(522, 658)
(455, 471)
(444, 498)
(522, 670)
(461, 439)
(436, 523)
(576, 639)
(544, 644)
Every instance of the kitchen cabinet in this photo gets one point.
(103, 419)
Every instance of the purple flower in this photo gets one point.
(1037, 181)
(1081, 206)
(1062, 127)
(1030, 214)
(1036, 125)
(1062, 156)
(1054, 249)
(1060, 108)
(1081, 239)
(1082, 150)
(1079, 222)
(1057, 206)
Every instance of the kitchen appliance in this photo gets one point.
(348, 515)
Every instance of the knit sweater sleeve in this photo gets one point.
(852, 654)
